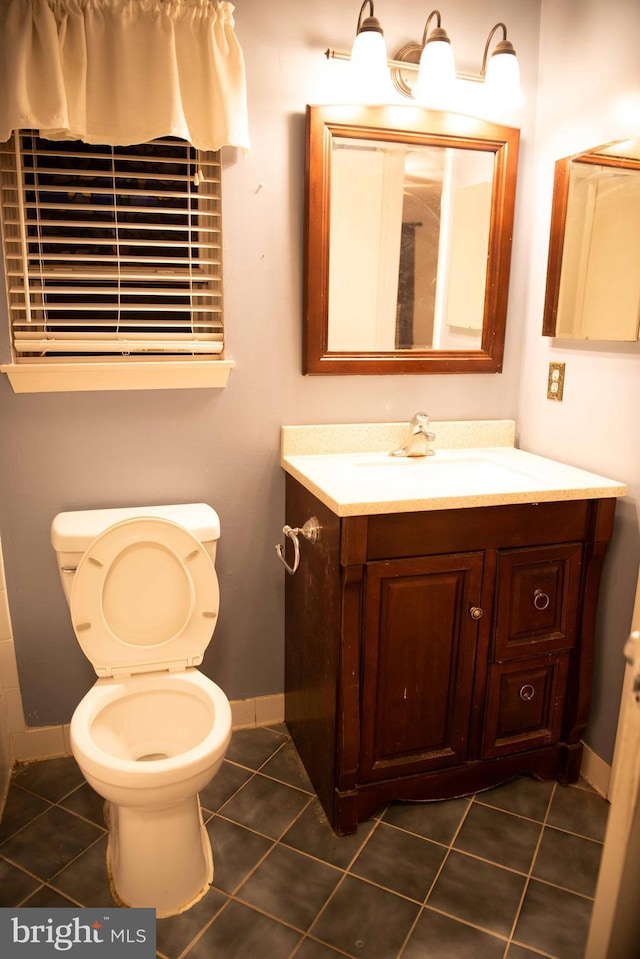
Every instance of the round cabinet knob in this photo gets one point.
(527, 692)
(475, 612)
(540, 599)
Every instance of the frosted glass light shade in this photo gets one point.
(436, 74)
(503, 81)
(370, 75)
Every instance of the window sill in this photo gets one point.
(75, 377)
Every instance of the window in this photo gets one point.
(112, 254)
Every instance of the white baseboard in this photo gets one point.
(596, 771)
(45, 742)
(260, 711)
(40, 742)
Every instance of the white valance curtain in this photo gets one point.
(120, 72)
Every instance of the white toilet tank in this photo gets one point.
(72, 533)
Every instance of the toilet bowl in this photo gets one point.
(153, 730)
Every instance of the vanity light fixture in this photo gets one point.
(437, 70)
(370, 72)
(432, 61)
(502, 72)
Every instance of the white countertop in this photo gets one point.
(349, 469)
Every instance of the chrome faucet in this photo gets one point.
(419, 436)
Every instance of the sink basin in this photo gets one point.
(356, 483)
(444, 474)
(441, 474)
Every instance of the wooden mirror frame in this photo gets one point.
(602, 155)
(413, 125)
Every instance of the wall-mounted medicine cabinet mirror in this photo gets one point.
(409, 221)
(593, 275)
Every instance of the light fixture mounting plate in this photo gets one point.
(409, 53)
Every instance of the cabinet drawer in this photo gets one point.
(525, 700)
(396, 535)
(537, 600)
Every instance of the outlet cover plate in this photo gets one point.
(555, 383)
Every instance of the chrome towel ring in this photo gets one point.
(310, 531)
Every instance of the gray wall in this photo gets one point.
(76, 451)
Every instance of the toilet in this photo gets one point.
(153, 730)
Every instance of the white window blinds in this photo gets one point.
(111, 251)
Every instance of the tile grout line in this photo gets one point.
(39, 879)
(307, 937)
(232, 896)
(202, 931)
(471, 925)
(345, 872)
(576, 835)
(91, 822)
(48, 882)
(75, 858)
(506, 938)
(232, 795)
(59, 892)
(555, 885)
(44, 812)
(435, 878)
(531, 867)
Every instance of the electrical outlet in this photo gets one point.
(555, 383)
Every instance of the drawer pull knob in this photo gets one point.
(527, 692)
(476, 612)
(540, 599)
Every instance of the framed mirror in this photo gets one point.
(593, 274)
(409, 221)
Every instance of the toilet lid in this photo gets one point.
(145, 597)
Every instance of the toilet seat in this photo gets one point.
(113, 720)
(145, 597)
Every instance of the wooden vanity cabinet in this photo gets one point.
(433, 654)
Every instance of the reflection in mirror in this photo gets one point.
(408, 246)
(409, 222)
(593, 279)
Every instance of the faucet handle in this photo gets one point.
(419, 422)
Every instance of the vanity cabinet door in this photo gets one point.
(420, 636)
(525, 701)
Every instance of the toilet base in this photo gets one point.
(158, 858)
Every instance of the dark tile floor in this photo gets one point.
(507, 874)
